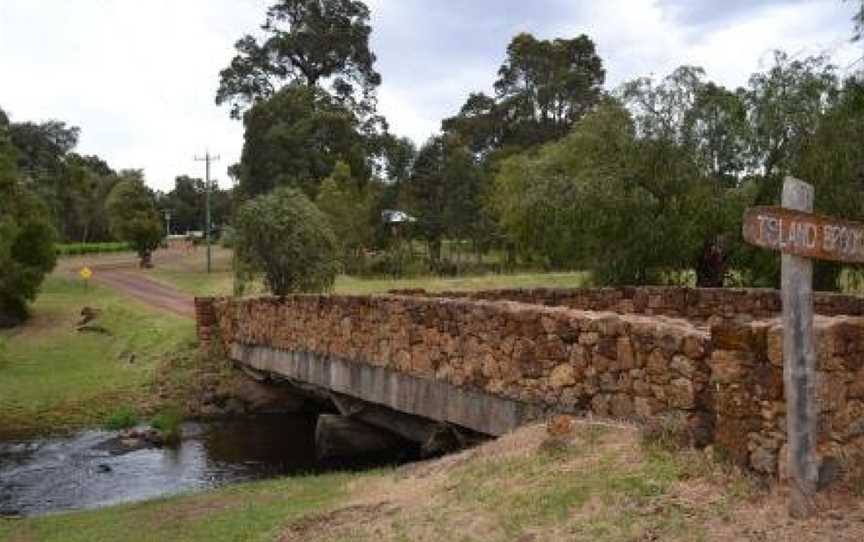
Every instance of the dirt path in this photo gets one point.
(148, 291)
(121, 272)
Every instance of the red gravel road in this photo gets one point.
(153, 293)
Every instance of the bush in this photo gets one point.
(287, 239)
(228, 237)
(122, 418)
(26, 241)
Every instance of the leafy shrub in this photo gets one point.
(122, 418)
(26, 241)
(283, 236)
(228, 237)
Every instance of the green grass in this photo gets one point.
(247, 512)
(549, 496)
(221, 282)
(122, 418)
(53, 376)
(189, 275)
(352, 285)
(168, 420)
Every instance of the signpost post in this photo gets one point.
(801, 237)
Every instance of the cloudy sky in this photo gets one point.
(139, 77)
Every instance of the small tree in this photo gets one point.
(348, 208)
(285, 237)
(132, 216)
(26, 239)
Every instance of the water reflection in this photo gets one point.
(65, 473)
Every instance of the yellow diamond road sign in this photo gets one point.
(85, 273)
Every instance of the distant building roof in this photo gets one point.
(392, 216)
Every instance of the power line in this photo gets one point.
(207, 159)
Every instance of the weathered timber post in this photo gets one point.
(801, 236)
(799, 362)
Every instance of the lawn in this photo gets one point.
(52, 375)
(188, 274)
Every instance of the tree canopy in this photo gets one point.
(311, 42)
(295, 138)
(543, 88)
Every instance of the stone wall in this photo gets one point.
(700, 305)
(747, 380)
(616, 365)
(725, 378)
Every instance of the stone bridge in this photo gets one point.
(490, 361)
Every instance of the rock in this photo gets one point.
(339, 437)
(763, 460)
(626, 359)
(103, 468)
(561, 426)
(88, 314)
(562, 376)
(130, 442)
(443, 440)
(621, 406)
(681, 394)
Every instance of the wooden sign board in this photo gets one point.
(804, 234)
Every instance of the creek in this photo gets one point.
(86, 470)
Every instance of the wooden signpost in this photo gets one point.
(801, 237)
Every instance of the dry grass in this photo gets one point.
(601, 486)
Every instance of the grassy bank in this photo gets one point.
(246, 512)
(603, 485)
(53, 376)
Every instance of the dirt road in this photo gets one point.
(121, 273)
(136, 285)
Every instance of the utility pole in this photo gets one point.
(207, 187)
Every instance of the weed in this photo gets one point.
(168, 421)
(667, 432)
(122, 418)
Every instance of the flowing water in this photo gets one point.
(84, 470)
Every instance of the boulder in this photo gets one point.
(338, 437)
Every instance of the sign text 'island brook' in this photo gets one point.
(805, 234)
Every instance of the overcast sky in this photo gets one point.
(139, 77)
